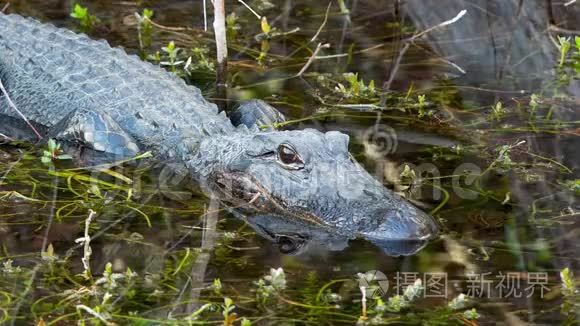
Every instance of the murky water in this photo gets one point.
(518, 218)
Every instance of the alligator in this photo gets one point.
(89, 96)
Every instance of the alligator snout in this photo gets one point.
(375, 212)
(401, 224)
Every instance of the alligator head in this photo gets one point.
(308, 175)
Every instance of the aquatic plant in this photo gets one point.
(145, 28)
(86, 20)
(171, 51)
(53, 152)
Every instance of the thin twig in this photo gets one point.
(445, 23)
(449, 62)
(411, 40)
(364, 302)
(170, 28)
(311, 59)
(563, 30)
(13, 106)
(6, 137)
(291, 55)
(93, 313)
(345, 24)
(250, 9)
(86, 241)
(340, 55)
(454, 65)
(5, 7)
(204, 16)
(219, 27)
(209, 239)
(396, 65)
(321, 25)
(569, 3)
(7, 171)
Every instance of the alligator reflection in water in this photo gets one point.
(294, 237)
(507, 44)
(508, 48)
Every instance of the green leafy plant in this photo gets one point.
(199, 61)
(497, 111)
(564, 46)
(84, 18)
(271, 284)
(571, 302)
(504, 158)
(568, 283)
(421, 105)
(232, 26)
(145, 28)
(227, 311)
(356, 88)
(573, 185)
(53, 152)
(471, 314)
(411, 293)
(576, 62)
(171, 52)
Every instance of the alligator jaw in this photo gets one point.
(244, 193)
(238, 189)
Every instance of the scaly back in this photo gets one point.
(50, 71)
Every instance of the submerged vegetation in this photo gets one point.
(112, 245)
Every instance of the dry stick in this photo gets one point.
(208, 243)
(340, 55)
(172, 29)
(569, 3)
(6, 137)
(451, 63)
(364, 302)
(219, 26)
(321, 25)
(86, 240)
(250, 9)
(345, 24)
(315, 35)
(311, 59)
(5, 7)
(408, 43)
(10, 167)
(563, 30)
(13, 106)
(204, 16)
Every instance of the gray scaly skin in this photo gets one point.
(86, 92)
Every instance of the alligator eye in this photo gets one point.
(289, 157)
(290, 245)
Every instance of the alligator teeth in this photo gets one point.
(256, 196)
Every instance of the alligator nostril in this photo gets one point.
(397, 224)
(371, 194)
